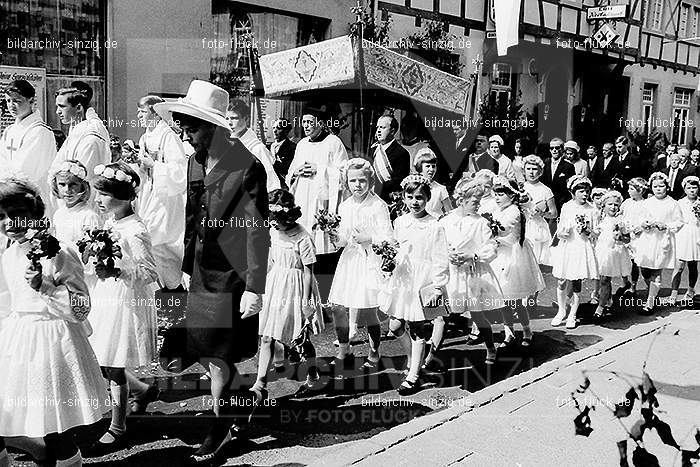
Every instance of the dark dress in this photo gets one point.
(227, 242)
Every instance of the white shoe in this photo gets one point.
(571, 322)
(559, 318)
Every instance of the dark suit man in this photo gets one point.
(391, 161)
(282, 149)
(605, 167)
(226, 248)
(557, 172)
(678, 168)
(629, 166)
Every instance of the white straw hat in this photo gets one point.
(204, 101)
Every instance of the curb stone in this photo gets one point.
(379, 443)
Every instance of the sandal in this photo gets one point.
(507, 344)
(526, 342)
(370, 364)
(408, 388)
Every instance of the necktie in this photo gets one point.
(673, 177)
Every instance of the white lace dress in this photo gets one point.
(281, 317)
(656, 248)
(688, 237)
(614, 259)
(69, 223)
(51, 380)
(515, 266)
(123, 310)
(633, 213)
(420, 262)
(357, 277)
(473, 286)
(574, 258)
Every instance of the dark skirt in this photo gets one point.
(213, 328)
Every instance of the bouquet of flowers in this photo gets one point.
(326, 221)
(387, 251)
(102, 245)
(43, 245)
(493, 224)
(396, 206)
(583, 227)
(696, 209)
(620, 234)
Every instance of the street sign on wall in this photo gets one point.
(606, 12)
(604, 36)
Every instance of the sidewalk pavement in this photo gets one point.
(527, 420)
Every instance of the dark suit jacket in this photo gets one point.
(400, 162)
(283, 158)
(227, 243)
(630, 167)
(601, 176)
(677, 191)
(557, 181)
(485, 161)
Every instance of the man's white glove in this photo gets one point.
(251, 304)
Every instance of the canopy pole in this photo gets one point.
(358, 18)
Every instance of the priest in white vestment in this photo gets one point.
(161, 200)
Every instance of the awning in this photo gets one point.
(338, 69)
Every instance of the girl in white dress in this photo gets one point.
(473, 287)
(291, 298)
(420, 276)
(364, 219)
(515, 265)
(611, 250)
(46, 358)
(161, 198)
(538, 210)
(656, 249)
(575, 258)
(633, 212)
(426, 165)
(124, 315)
(69, 183)
(688, 241)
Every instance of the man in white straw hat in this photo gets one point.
(226, 249)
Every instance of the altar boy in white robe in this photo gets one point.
(28, 145)
(85, 142)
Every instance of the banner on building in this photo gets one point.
(507, 17)
(35, 76)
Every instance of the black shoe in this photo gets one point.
(99, 449)
(261, 395)
(139, 404)
(646, 310)
(305, 390)
(475, 339)
(408, 388)
(434, 366)
(213, 444)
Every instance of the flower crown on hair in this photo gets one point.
(533, 159)
(599, 191)
(658, 176)
(690, 179)
(72, 168)
(577, 180)
(499, 181)
(278, 208)
(464, 185)
(611, 194)
(415, 178)
(363, 164)
(110, 173)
